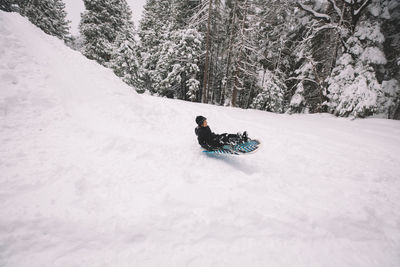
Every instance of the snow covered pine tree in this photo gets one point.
(101, 24)
(48, 15)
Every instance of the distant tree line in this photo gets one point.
(334, 56)
(337, 56)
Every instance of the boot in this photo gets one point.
(245, 137)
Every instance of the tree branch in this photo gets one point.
(358, 11)
(314, 13)
(337, 9)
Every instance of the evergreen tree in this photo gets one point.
(320, 30)
(276, 21)
(207, 20)
(7, 5)
(333, 32)
(125, 62)
(177, 67)
(308, 88)
(218, 53)
(204, 97)
(154, 28)
(125, 58)
(271, 94)
(389, 103)
(48, 15)
(276, 24)
(243, 72)
(101, 24)
(184, 12)
(353, 88)
(390, 14)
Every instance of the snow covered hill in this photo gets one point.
(93, 174)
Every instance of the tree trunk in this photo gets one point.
(396, 113)
(236, 83)
(205, 79)
(228, 64)
(234, 92)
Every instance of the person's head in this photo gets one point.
(201, 121)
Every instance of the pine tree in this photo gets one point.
(154, 28)
(354, 88)
(320, 31)
(207, 59)
(177, 66)
(7, 5)
(101, 24)
(207, 20)
(184, 12)
(271, 94)
(48, 15)
(276, 21)
(242, 72)
(390, 15)
(124, 60)
(218, 52)
(308, 88)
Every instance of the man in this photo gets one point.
(210, 141)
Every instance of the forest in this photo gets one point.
(281, 56)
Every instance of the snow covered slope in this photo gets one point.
(92, 174)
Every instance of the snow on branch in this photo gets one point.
(366, 2)
(315, 30)
(201, 15)
(302, 79)
(314, 13)
(336, 8)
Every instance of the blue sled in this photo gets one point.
(248, 147)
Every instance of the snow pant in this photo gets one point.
(229, 139)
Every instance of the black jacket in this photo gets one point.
(207, 139)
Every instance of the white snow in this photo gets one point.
(297, 98)
(373, 55)
(372, 32)
(93, 174)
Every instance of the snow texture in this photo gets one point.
(92, 174)
(373, 55)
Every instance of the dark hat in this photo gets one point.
(200, 120)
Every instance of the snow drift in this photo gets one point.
(93, 174)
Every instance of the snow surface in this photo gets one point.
(93, 174)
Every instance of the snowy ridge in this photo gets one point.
(93, 174)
